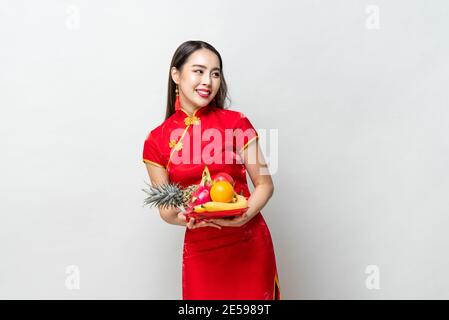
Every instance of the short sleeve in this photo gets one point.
(151, 152)
(244, 133)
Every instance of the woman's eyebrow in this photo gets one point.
(204, 67)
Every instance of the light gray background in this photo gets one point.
(362, 114)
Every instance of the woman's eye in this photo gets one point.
(217, 74)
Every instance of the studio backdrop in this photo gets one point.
(350, 100)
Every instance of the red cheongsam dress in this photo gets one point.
(218, 264)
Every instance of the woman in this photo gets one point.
(228, 258)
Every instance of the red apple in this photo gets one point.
(223, 176)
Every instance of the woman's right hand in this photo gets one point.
(193, 224)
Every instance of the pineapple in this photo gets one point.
(173, 194)
(167, 195)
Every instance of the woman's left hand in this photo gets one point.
(237, 221)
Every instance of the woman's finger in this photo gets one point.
(214, 225)
(220, 222)
(236, 222)
(183, 216)
(192, 225)
(205, 223)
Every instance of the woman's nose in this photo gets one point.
(206, 79)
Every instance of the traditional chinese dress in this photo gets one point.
(232, 262)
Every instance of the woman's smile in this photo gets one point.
(203, 93)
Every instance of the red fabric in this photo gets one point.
(151, 151)
(234, 262)
(244, 133)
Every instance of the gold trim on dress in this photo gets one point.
(175, 144)
(185, 112)
(172, 143)
(188, 121)
(247, 144)
(276, 283)
(152, 162)
(192, 120)
(194, 112)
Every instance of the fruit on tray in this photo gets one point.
(174, 195)
(222, 191)
(222, 194)
(214, 206)
(201, 195)
(169, 195)
(207, 196)
(223, 176)
(206, 180)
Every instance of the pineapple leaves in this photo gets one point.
(168, 195)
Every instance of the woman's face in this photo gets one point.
(200, 73)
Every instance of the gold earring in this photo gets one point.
(177, 92)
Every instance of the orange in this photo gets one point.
(222, 191)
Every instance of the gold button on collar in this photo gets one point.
(193, 120)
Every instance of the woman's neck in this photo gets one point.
(191, 110)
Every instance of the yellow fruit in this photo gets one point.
(213, 206)
(199, 209)
(222, 191)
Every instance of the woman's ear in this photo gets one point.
(174, 74)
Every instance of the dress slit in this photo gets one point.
(277, 289)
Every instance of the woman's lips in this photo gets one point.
(203, 94)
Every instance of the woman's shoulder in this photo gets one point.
(231, 113)
(163, 125)
(156, 130)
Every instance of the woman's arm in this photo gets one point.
(263, 185)
(159, 176)
(172, 215)
(260, 176)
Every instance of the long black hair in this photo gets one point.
(180, 56)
